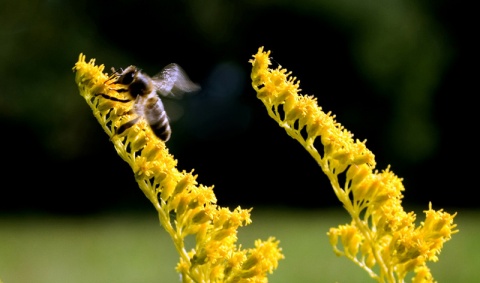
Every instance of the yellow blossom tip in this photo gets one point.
(184, 206)
(381, 235)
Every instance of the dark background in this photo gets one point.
(397, 73)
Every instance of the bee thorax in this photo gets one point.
(140, 87)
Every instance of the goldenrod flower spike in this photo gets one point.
(184, 207)
(382, 237)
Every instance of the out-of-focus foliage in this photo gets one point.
(387, 68)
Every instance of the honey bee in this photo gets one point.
(144, 90)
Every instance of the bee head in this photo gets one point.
(126, 77)
(137, 82)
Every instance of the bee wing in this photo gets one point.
(173, 81)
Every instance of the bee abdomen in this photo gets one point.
(157, 118)
(161, 128)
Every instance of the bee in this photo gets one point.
(144, 90)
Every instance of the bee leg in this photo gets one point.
(113, 98)
(127, 125)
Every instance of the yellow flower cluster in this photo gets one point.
(184, 207)
(382, 238)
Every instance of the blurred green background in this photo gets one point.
(125, 248)
(397, 73)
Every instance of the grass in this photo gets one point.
(134, 248)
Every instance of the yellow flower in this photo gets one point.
(381, 233)
(184, 207)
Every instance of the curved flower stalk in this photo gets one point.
(184, 207)
(382, 238)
